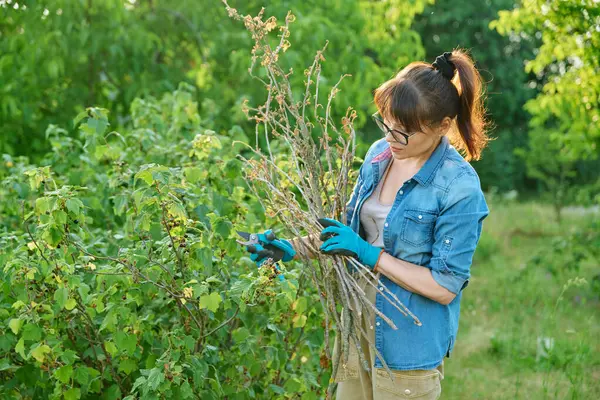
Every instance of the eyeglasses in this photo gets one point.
(398, 136)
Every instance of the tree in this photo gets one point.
(564, 128)
(62, 56)
(443, 26)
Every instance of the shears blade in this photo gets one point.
(247, 237)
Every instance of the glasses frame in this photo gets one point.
(379, 121)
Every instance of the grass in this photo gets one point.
(513, 306)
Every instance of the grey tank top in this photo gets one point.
(373, 214)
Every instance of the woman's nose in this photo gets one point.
(389, 137)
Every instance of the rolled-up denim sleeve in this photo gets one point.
(457, 231)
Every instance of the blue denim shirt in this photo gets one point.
(435, 222)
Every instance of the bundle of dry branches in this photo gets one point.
(319, 172)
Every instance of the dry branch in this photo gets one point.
(319, 171)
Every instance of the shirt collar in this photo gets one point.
(427, 171)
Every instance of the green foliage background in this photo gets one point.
(443, 26)
(121, 192)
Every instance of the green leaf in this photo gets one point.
(111, 348)
(69, 356)
(32, 332)
(99, 306)
(101, 151)
(300, 305)
(293, 385)
(186, 391)
(18, 304)
(210, 301)
(190, 343)
(87, 376)
(290, 290)
(70, 304)
(83, 291)
(240, 334)
(138, 382)
(299, 321)
(155, 378)
(15, 325)
(109, 321)
(79, 117)
(20, 348)
(120, 202)
(5, 365)
(277, 389)
(126, 342)
(223, 227)
(177, 210)
(31, 274)
(64, 373)
(60, 216)
(113, 393)
(42, 204)
(194, 174)
(74, 205)
(61, 296)
(128, 366)
(53, 236)
(98, 124)
(39, 353)
(82, 376)
(205, 258)
(146, 176)
(72, 394)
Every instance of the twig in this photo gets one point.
(322, 184)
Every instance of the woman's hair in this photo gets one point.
(420, 95)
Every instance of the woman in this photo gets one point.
(415, 217)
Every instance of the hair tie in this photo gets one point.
(444, 65)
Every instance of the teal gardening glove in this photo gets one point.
(340, 239)
(259, 254)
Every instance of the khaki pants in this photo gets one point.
(354, 383)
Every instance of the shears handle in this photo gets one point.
(281, 277)
(265, 250)
(270, 251)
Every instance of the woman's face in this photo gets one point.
(420, 144)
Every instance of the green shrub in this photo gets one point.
(121, 277)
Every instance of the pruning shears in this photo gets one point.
(268, 250)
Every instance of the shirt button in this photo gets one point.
(381, 288)
(401, 192)
(377, 324)
(447, 241)
(420, 217)
(407, 392)
(386, 225)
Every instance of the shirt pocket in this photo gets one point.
(421, 384)
(350, 370)
(417, 227)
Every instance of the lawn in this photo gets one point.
(528, 330)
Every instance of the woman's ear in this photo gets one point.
(444, 126)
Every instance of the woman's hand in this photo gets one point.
(340, 239)
(259, 253)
